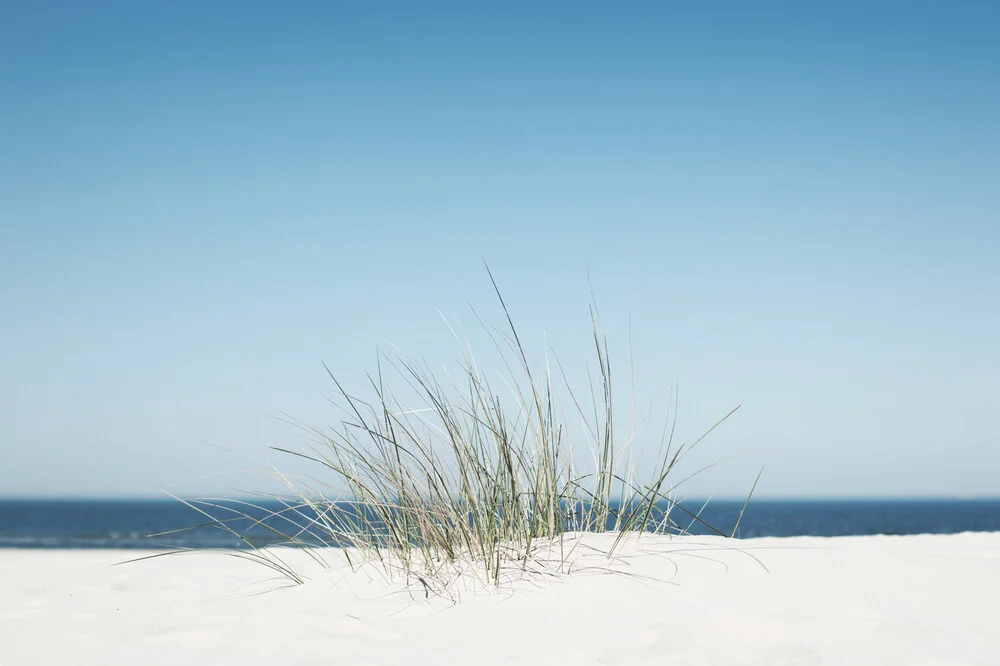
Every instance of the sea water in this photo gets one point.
(128, 523)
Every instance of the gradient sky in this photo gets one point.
(797, 204)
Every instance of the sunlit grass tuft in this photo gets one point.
(479, 475)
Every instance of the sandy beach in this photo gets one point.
(693, 600)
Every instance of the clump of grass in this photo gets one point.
(480, 475)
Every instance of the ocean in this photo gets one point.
(129, 523)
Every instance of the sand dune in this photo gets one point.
(854, 601)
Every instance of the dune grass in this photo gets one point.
(480, 475)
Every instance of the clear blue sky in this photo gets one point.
(797, 203)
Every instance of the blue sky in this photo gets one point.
(797, 205)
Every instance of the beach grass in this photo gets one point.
(475, 472)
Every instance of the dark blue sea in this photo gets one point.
(129, 524)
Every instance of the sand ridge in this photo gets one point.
(914, 600)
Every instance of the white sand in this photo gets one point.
(853, 601)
